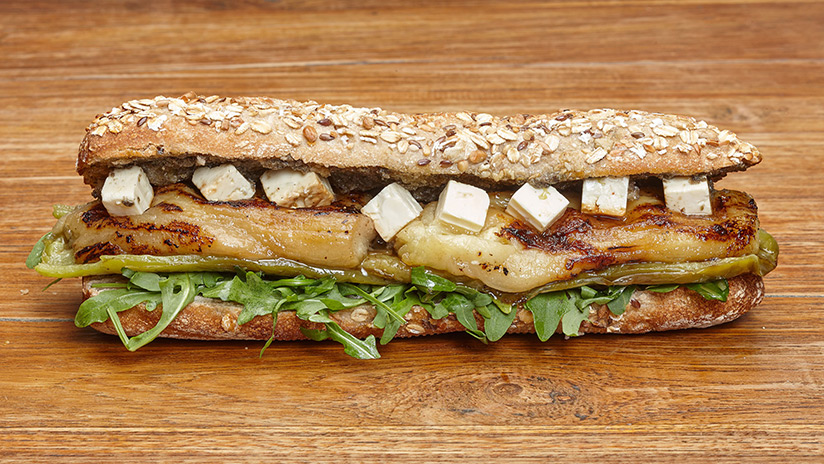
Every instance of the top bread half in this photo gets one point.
(365, 148)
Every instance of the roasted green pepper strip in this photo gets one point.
(57, 261)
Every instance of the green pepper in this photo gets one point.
(57, 260)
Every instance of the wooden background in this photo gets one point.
(747, 391)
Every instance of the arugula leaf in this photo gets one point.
(254, 294)
(403, 304)
(661, 288)
(437, 311)
(36, 254)
(344, 301)
(574, 315)
(96, 309)
(397, 293)
(547, 310)
(378, 303)
(177, 291)
(496, 326)
(599, 297)
(310, 310)
(463, 310)
(321, 316)
(353, 346)
(206, 279)
(51, 283)
(315, 288)
(478, 298)
(619, 304)
(587, 292)
(110, 285)
(272, 338)
(315, 335)
(717, 290)
(146, 280)
(430, 282)
(713, 290)
(484, 311)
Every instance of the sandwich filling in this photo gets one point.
(556, 274)
(506, 255)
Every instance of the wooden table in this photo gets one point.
(750, 390)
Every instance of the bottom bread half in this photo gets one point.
(211, 319)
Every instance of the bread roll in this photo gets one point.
(364, 148)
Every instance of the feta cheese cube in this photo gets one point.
(688, 195)
(605, 195)
(391, 210)
(127, 192)
(539, 207)
(463, 206)
(294, 189)
(223, 183)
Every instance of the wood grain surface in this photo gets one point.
(751, 390)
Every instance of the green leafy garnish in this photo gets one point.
(622, 299)
(375, 301)
(176, 292)
(430, 282)
(572, 318)
(403, 304)
(353, 346)
(463, 309)
(36, 254)
(547, 310)
(498, 323)
(662, 288)
(713, 290)
(96, 309)
(570, 308)
(316, 300)
(717, 290)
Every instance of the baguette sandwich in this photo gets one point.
(255, 218)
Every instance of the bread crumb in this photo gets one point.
(24, 291)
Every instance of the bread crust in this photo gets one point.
(169, 137)
(209, 319)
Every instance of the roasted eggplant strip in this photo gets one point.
(180, 222)
(509, 256)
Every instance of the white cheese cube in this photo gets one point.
(391, 210)
(223, 183)
(605, 195)
(294, 189)
(540, 207)
(688, 195)
(463, 206)
(127, 192)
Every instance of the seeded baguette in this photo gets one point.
(210, 319)
(365, 148)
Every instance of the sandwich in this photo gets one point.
(256, 218)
